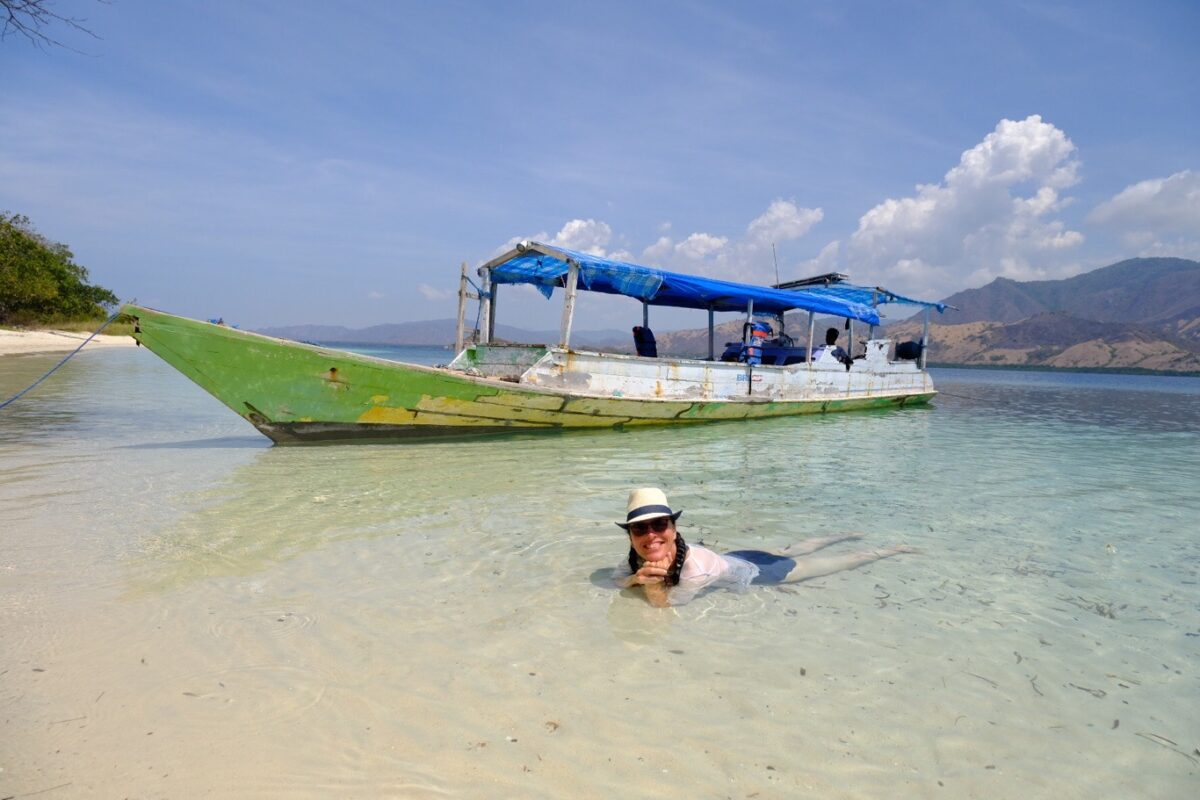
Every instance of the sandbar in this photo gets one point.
(49, 341)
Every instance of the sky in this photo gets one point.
(278, 163)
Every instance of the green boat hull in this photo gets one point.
(297, 393)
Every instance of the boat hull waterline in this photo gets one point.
(295, 393)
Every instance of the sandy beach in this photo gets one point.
(23, 342)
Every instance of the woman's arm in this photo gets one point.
(625, 581)
(651, 575)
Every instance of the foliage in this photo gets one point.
(39, 280)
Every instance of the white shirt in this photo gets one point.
(702, 569)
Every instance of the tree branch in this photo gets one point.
(31, 19)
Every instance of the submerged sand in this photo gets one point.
(21, 342)
(186, 611)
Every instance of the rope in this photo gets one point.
(962, 396)
(482, 294)
(54, 369)
(479, 306)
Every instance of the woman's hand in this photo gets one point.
(652, 572)
(652, 576)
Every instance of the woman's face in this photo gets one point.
(653, 539)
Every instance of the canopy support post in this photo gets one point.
(492, 316)
(645, 314)
(710, 333)
(924, 338)
(568, 314)
(749, 319)
(462, 310)
(850, 333)
(485, 313)
(874, 305)
(812, 326)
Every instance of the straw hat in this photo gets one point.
(648, 503)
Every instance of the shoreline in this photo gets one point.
(1163, 373)
(51, 341)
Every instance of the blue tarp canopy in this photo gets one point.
(546, 267)
(869, 295)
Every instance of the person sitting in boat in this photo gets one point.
(644, 343)
(672, 572)
(831, 337)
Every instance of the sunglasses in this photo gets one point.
(658, 525)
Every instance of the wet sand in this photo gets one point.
(50, 341)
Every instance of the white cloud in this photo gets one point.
(701, 253)
(584, 235)
(374, 294)
(1029, 150)
(1160, 216)
(990, 216)
(1171, 203)
(995, 213)
(659, 251)
(744, 259)
(781, 222)
(514, 241)
(826, 261)
(433, 293)
(700, 245)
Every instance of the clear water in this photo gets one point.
(188, 611)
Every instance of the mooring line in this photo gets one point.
(962, 396)
(54, 369)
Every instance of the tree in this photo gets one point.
(40, 281)
(31, 18)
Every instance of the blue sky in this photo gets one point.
(334, 162)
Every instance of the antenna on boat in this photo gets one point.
(776, 257)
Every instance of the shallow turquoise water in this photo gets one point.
(188, 611)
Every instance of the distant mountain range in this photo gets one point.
(1160, 294)
(1141, 313)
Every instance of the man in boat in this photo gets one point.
(831, 337)
(672, 572)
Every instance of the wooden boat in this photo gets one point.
(295, 392)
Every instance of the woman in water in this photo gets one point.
(672, 572)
